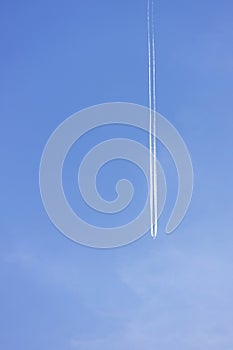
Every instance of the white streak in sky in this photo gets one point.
(152, 107)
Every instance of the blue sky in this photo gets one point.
(58, 57)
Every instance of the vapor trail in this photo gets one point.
(152, 108)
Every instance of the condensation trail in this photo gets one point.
(152, 108)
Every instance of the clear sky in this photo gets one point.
(58, 57)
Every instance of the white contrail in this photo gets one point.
(152, 107)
